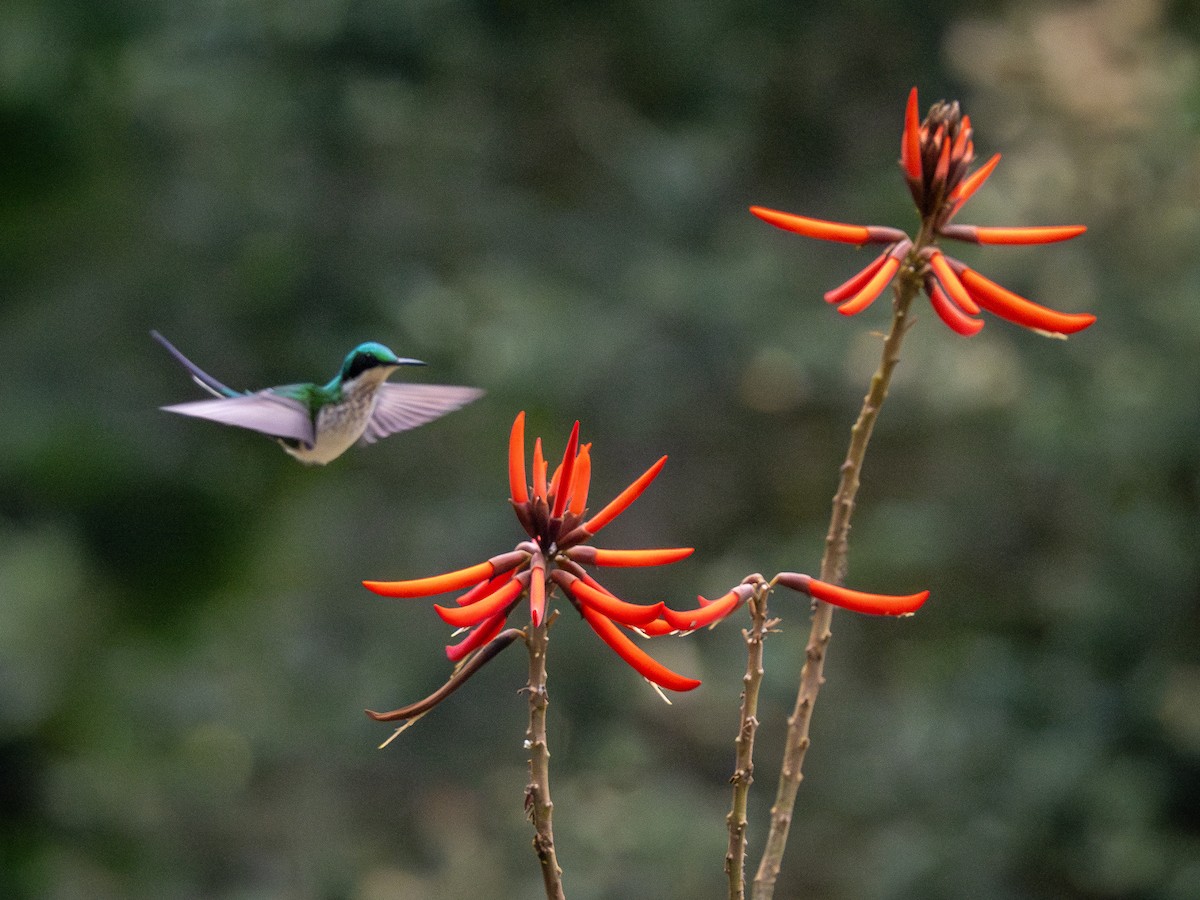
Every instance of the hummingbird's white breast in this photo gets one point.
(340, 424)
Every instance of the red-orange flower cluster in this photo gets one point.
(935, 156)
(552, 508)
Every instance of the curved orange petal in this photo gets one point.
(539, 471)
(583, 480)
(537, 593)
(954, 287)
(1038, 234)
(957, 320)
(973, 182)
(713, 611)
(856, 601)
(1007, 305)
(820, 229)
(434, 584)
(566, 472)
(642, 663)
(857, 282)
(517, 485)
(910, 143)
(625, 558)
(605, 603)
(621, 502)
(477, 637)
(485, 608)
(872, 289)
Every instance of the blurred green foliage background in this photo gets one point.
(548, 200)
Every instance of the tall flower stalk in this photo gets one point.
(935, 159)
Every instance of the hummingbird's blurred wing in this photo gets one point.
(264, 411)
(404, 406)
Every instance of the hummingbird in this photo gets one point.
(318, 423)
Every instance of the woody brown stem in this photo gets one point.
(833, 570)
(538, 805)
(743, 773)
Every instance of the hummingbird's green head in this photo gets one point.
(371, 355)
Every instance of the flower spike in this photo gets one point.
(935, 156)
(553, 557)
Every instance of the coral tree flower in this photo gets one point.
(935, 156)
(552, 508)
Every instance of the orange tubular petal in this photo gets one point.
(814, 228)
(606, 604)
(642, 662)
(621, 502)
(1045, 234)
(492, 604)
(517, 485)
(537, 594)
(484, 588)
(479, 635)
(713, 611)
(872, 604)
(872, 289)
(856, 283)
(1007, 305)
(627, 558)
(435, 584)
(954, 287)
(857, 601)
(583, 479)
(973, 182)
(956, 320)
(960, 141)
(539, 471)
(567, 470)
(910, 143)
(657, 628)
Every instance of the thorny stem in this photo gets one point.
(833, 569)
(743, 774)
(538, 806)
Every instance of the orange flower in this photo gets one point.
(935, 156)
(553, 512)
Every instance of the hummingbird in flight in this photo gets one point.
(318, 423)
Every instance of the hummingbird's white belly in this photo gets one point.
(338, 426)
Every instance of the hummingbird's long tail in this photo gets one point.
(199, 376)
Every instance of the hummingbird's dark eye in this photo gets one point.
(360, 364)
